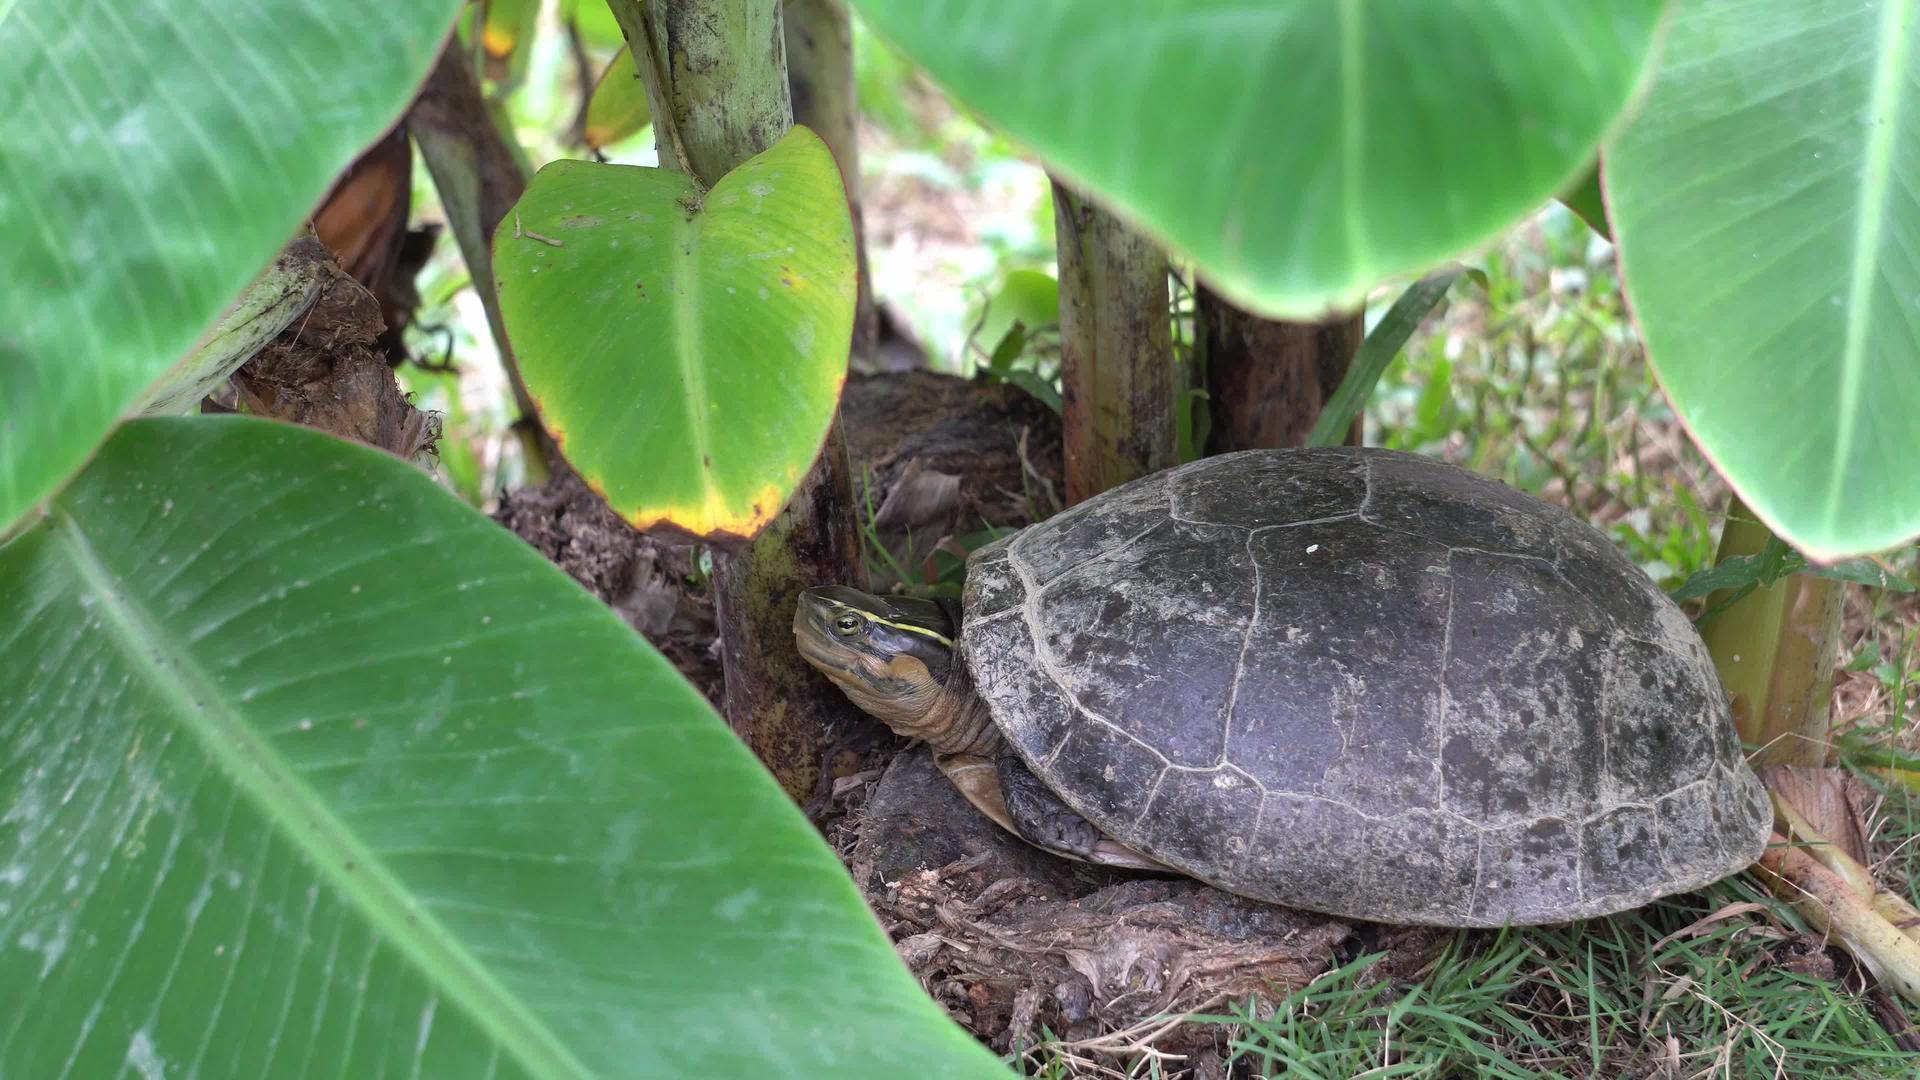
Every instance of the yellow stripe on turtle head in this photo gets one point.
(908, 627)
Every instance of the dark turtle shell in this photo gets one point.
(1366, 683)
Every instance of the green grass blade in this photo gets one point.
(1389, 336)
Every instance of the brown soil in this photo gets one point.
(653, 585)
(937, 457)
(1017, 943)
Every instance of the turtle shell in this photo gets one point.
(1367, 683)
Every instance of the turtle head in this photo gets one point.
(892, 655)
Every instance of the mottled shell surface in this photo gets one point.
(1366, 683)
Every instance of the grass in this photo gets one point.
(1723, 983)
(1664, 991)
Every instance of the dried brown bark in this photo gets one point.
(1267, 380)
(716, 79)
(1116, 349)
(363, 221)
(326, 370)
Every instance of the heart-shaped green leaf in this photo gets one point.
(686, 350)
(1766, 200)
(154, 155)
(619, 106)
(1298, 152)
(307, 769)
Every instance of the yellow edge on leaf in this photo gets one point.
(713, 518)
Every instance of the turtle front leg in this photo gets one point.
(1043, 820)
(1040, 819)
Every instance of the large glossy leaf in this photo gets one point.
(1298, 151)
(686, 350)
(307, 769)
(1766, 202)
(154, 155)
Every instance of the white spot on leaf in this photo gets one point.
(801, 335)
(735, 907)
(199, 902)
(145, 1057)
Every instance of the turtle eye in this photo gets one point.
(847, 625)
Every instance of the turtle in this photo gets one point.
(1350, 680)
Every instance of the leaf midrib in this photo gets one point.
(1883, 122)
(308, 821)
(688, 347)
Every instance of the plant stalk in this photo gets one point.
(1831, 906)
(716, 75)
(1775, 649)
(479, 175)
(716, 80)
(1890, 905)
(1116, 349)
(1267, 380)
